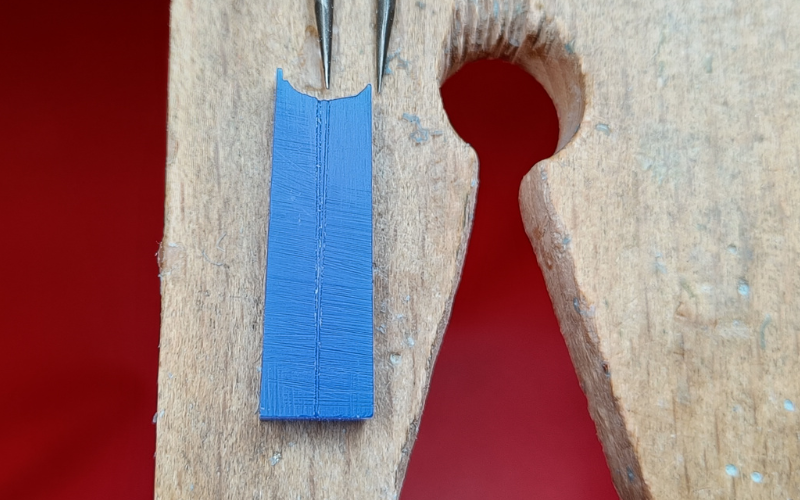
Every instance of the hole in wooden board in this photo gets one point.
(505, 416)
(513, 31)
(521, 32)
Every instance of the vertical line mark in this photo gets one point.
(323, 111)
(318, 261)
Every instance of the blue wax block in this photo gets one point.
(317, 359)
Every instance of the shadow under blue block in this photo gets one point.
(317, 357)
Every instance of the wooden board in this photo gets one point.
(666, 225)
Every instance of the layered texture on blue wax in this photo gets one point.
(317, 358)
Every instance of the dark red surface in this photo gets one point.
(83, 135)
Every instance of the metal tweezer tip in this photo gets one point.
(324, 12)
(385, 18)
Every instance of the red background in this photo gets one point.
(83, 135)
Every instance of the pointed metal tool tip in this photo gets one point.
(384, 25)
(323, 9)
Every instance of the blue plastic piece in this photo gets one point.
(317, 359)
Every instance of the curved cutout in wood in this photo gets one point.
(528, 38)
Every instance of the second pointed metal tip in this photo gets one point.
(384, 26)
(323, 9)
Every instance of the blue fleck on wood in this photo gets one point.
(317, 359)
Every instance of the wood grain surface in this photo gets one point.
(666, 226)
